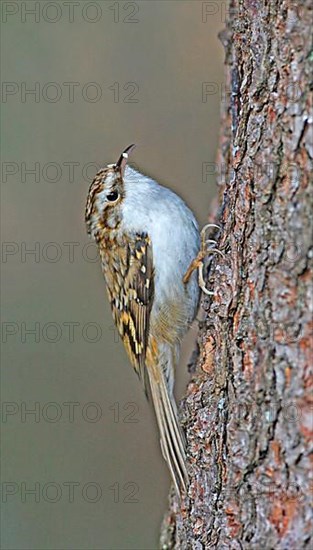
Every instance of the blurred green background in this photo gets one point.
(90, 451)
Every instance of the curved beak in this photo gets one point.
(122, 161)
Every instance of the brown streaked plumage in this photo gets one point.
(127, 266)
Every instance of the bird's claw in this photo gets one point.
(198, 263)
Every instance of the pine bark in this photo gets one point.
(248, 408)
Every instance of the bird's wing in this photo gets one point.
(131, 298)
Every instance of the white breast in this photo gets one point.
(173, 230)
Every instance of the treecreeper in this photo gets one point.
(150, 248)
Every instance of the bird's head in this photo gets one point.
(105, 196)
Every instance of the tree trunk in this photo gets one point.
(247, 408)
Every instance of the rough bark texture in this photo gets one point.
(247, 408)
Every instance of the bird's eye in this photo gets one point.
(113, 196)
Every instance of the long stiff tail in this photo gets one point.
(171, 437)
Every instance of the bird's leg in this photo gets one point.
(197, 263)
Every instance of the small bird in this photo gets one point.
(149, 244)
